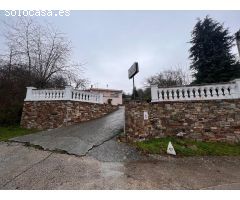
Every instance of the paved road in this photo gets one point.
(107, 164)
(24, 167)
(78, 139)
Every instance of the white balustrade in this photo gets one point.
(78, 95)
(67, 94)
(229, 90)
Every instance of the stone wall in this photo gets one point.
(53, 114)
(211, 120)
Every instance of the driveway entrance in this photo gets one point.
(80, 138)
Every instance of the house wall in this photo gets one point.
(209, 120)
(53, 114)
(115, 100)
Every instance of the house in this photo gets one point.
(110, 96)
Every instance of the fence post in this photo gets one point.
(68, 92)
(237, 89)
(154, 96)
(29, 95)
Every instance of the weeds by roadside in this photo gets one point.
(187, 147)
(13, 131)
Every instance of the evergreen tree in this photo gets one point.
(210, 53)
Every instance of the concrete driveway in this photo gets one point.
(78, 139)
(24, 167)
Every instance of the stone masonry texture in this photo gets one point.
(44, 115)
(213, 120)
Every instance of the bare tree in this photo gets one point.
(42, 50)
(81, 83)
(33, 55)
(167, 78)
(76, 81)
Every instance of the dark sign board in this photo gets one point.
(133, 70)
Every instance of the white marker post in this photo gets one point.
(170, 149)
(145, 115)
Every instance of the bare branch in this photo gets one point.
(42, 50)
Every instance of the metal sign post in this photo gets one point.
(133, 70)
(238, 42)
(133, 89)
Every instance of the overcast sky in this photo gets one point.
(110, 41)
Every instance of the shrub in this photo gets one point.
(11, 115)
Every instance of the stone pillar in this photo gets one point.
(29, 95)
(154, 95)
(68, 92)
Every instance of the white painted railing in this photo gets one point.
(67, 94)
(229, 90)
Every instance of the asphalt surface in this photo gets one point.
(115, 151)
(23, 167)
(78, 139)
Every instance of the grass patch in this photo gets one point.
(13, 131)
(187, 147)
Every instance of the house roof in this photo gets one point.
(104, 90)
